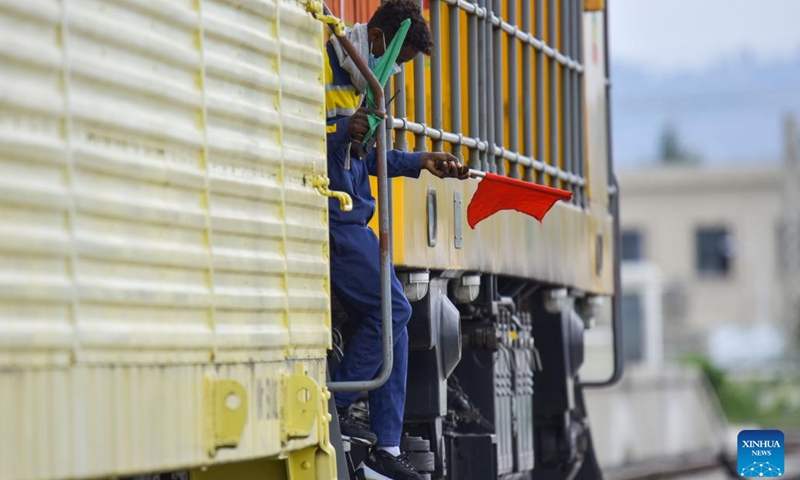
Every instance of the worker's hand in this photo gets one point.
(359, 121)
(444, 165)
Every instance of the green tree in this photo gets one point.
(671, 149)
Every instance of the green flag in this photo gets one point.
(384, 70)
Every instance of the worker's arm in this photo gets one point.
(409, 164)
(405, 164)
(398, 163)
(340, 132)
(341, 129)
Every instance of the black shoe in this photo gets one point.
(382, 465)
(354, 432)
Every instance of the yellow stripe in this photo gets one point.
(338, 99)
(331, 128)
(328, 69)
(398, 217)
(335, 99)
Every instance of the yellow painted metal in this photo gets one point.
(325, 457)
(226, 412)
(160, 247)
(302, 404)
(314, 7)
(321, 182)
(306, 411)
(593, 5)
(301, 464)
(563, 249)
(304, 414)
(261, 469)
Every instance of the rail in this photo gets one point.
(613, 191)
(384, 221)
(540, 159)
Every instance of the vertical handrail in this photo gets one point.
(483, 88)
(513, 91)
(400, 141)
(436, 71)
(539, 33)
(497, 88)
(455, 78)
(577, 95)
(420, 141)
(616, 312)
(488, 39)
(384, 233)
(473, 85)
(580, 107)
(527, 95)
(566, 93)
(553, 92)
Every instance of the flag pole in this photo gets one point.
(476, 173)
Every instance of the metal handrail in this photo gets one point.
(384, 220)
(399, 123)
(616, 318)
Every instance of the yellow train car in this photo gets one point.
(164, 254)
(165, 305)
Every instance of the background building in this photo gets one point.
(718, 235)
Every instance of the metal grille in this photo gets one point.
(524, 90)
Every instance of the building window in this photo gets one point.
(715, 251)
(631, 245)
(633, 326)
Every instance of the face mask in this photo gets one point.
(373, 61)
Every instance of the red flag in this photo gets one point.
(497, 193)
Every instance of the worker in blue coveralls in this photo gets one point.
(355, 260)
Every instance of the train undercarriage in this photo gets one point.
(493, 380)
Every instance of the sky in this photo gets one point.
(667, 36)
(722, 73)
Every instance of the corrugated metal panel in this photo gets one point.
(35, 284)
(156, 226)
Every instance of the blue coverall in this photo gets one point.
(355, 263)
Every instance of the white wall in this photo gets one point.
(653, 414)
(667, 204)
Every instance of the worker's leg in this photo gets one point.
(355, 275)
(387, 403)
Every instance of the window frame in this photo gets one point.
(705, 268)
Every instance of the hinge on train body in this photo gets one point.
(305, 406)
(301, 404)
(226, 413)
